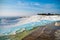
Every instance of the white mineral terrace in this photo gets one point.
(36, 18)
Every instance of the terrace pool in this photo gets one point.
(27, 26)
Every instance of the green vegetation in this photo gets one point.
(18, 36)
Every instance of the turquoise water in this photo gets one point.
(27, 26)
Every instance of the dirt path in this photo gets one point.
(41, 33)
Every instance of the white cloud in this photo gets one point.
(31, 5)
(23, 8)
(48, 6)
(37, 4)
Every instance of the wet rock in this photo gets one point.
(57, 35)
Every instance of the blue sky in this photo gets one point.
(28, 7)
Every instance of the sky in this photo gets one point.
(28, 7)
